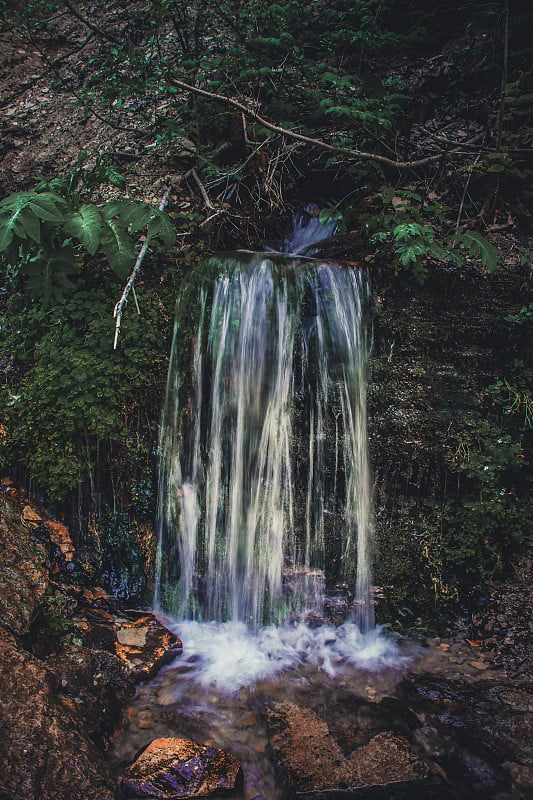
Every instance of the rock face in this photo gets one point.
(45, 752)
(176, 768)
(24, 571)
(69, 661)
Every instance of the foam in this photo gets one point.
(229, 656)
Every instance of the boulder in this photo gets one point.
(169, 769)
(144, 644)
(312, 760)
(45, 752)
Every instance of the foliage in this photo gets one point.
(407, 226)
(70, 401)
(43, 231)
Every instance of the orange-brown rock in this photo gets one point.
(177, 768)
(45, 753)
(24, 571)
(313, 760)
(144, 644)
(60, 536)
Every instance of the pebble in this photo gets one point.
(145, 720)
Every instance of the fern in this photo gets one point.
(478, 247)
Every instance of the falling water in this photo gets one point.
(265, 500)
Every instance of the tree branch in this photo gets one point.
(308, 139)
(98, 31)
(117, 313)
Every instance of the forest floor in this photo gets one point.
(44, 127)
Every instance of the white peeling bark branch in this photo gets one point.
(117, 313)
(362, 154)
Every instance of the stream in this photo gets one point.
(398, 721)
(263, 566)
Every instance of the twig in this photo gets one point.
(202, 188)
(117, 313)
(465, 190)
(94, 28)
(308, 139)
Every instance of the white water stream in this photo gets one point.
(244, 502)
(265, 508)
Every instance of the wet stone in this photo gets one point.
(174, 768)
(311, 759)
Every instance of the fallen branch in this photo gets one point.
(308, 139)
(117, 313)
(203, 190)
(94, 28)
(465, 190)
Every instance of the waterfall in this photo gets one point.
(264, 491)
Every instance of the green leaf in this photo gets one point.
(478, 246)
(137, 217)
(6, 232)
(30, 224)
(86, 225)
(45, 206)
(118, 248)
(406, 231)
(161, 227)
(18, 221)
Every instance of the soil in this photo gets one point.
(44, 124)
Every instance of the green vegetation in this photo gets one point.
(412, 128)
(42, 231)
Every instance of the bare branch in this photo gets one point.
(203, 190)
(308, 139)
(98, 31)
(117, 313)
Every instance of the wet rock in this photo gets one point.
(69, 661)
(178, 768)
(145, 645)
(24, 571)
(312, 760)
(100, 685)
(45, 753)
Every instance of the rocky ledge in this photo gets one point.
(70, 657)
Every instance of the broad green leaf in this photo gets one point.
(479, 246)
(6, 232)
(115, 208)
(118, 248)
(132, 215)
(17, 199)
(86, 225)
(137, 218)
(162, 228)
(18, 221)
(28, 226)
(45, 206)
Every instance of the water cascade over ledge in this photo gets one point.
(265, 503)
